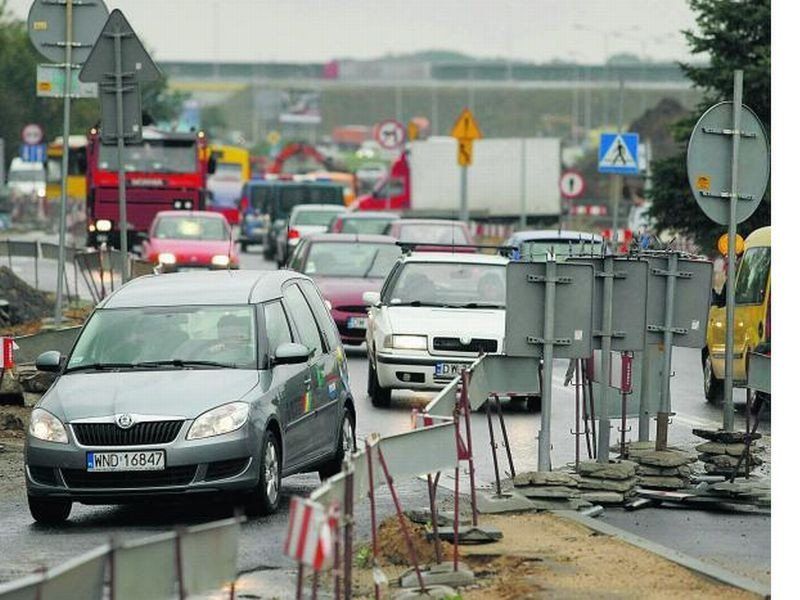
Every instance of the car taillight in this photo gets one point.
(244, 203)
(293, 234)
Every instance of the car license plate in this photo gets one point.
(357, 323)
(448, 369)
(146, 460)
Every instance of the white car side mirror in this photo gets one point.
(371, 298)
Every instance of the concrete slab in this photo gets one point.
(442, 574)
(434, 591)
(607, 485)
(613, 470)
(468, 534)
(665, 458)
(548, 491)
(724, 437)
(510, 501)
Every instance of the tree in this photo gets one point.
(734, 35)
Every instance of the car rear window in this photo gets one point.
(433, 234)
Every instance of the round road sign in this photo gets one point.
(32, 134)
(708, 163)
(572, 184)
(47, 23)
(390, 134)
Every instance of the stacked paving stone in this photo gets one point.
(661, 469)
(551, 490)
(723, 449)
(607, 483)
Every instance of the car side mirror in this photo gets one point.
(290, 353)
(371, 298)
(49, 361)
(212, 165)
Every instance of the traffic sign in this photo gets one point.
(413, 131)
(50, 81)
(273, 138)
(466, 127)
(572, 184)
(47, 24)
(32, 152)
(32, 134)
(390, 134)
(464, 153)
(618, 153)
(708, 163)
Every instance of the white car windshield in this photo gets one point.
(460, 285)
(360, 259)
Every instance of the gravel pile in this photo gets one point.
(25, 303)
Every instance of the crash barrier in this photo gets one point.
(177, 564)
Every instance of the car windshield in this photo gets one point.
(152, 156)
(448, 284)
(171, 336)
(362, 259)
(751, 281)
(377, 225)
(314, 217)
(433, 233)
(191, 228)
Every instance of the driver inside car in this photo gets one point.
(234, 344)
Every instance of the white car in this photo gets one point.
(304, 220)
(437, 312)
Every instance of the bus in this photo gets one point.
(225, 185)
(76, 169)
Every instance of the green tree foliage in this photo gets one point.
(733, 35)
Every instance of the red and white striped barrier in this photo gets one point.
(310, 538)
(7, 347)
(498, 230)
(589, 209)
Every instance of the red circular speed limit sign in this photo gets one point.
(390, 134)
(572, 184)
(32, 134)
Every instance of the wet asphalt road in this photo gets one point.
(740, 543)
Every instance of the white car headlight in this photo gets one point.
(223, 419)
(410, 342)
(46, 427)
(103, 225)
(166, 258)
(220, 260)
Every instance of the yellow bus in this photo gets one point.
(76, 169)
(232, 171)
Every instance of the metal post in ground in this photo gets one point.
(662, 420)
(373, 518)
(577, 432)
(299, 590)
(644, 394)
(437, 542)
(627, 372)
(592, 417)
(543, 460)
(604, 422)
(348, 533)
(465, 407)
(493, 446)
(506, 443)
(179, 564)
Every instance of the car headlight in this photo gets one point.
(47, 427)
(410, 342)
(220, 260)
(223, 419)
(166, 258)
(103, 225)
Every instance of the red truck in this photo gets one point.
(167, 171)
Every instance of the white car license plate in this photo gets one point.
(145, 460)
(357, 323)
(447, 369)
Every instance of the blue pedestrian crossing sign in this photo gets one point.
(618, 153)
(32, 152)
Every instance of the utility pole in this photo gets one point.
(616, 192)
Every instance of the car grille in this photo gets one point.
(361, 310)
(43, 475)
(171, 476)
(110, 434)
(450, 344)
(226, 468)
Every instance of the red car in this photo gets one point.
(344, 266)
(437, 232)
(183, 239)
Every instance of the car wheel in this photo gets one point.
(712, 387)
(346, 444)
(381, 397)
(49, 511)
(267, 493)
(533, 404)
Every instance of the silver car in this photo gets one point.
(191, 384)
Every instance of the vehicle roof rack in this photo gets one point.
(409, 247)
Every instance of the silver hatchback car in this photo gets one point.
(190, 384)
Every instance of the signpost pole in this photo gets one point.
(603, 421)
(62, 215)
(464, 213)
(662, 419)
(123, 213)
(543, 463)
(730, 300)
(523, 208)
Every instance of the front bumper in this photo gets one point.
(227, 462)
(415, 372)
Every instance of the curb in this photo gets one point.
(694, 564)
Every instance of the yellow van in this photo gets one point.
(751, 317)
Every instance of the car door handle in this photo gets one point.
(307, 382)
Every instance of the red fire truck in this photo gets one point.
(167, 171)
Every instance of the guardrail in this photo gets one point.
(177, 564)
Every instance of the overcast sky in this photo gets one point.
(319, 30)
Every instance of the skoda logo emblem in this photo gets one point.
(465, 340)
(125, 421)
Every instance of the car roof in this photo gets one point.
(226, 287)
(323, 207)
(352, 238)
(191, 213)
(404, 222)
(374, 214)
(553, 235)
(455, 257)
(292, 182)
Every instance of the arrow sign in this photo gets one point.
(136, 61)
(466, 127)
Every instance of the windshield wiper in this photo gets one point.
(183, 364)
(100, 367)
(371, 263)
(481, 305)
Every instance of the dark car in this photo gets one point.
(190, 384)
(436, 232)
(344, 266)
(374, 222)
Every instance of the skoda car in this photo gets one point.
(191, 384)
(436, 313)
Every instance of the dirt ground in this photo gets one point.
(13, 422)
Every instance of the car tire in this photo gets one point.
(346, 443)
(49, 511)
(533, 404)
(381, 397)
(713, 388)
(266, 496)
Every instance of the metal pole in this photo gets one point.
(62, 216)
(644, 394)
(543, 460)
(373, 522)
(493, 445)
(123, 214)
(662, 419)
(348, 534)
(464, 215)
(465, 406)
(523, 192)
(506, 443)
(730, 300)
(617, 181)
(603, 421)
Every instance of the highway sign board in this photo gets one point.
(50, 81)
(618, 153)
(572, 184)
(390, 134)
(32, 134)
(466, 127)
(708, 163)
(47, 26)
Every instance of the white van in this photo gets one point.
(26, 178)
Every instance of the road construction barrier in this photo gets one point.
(177, 564)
